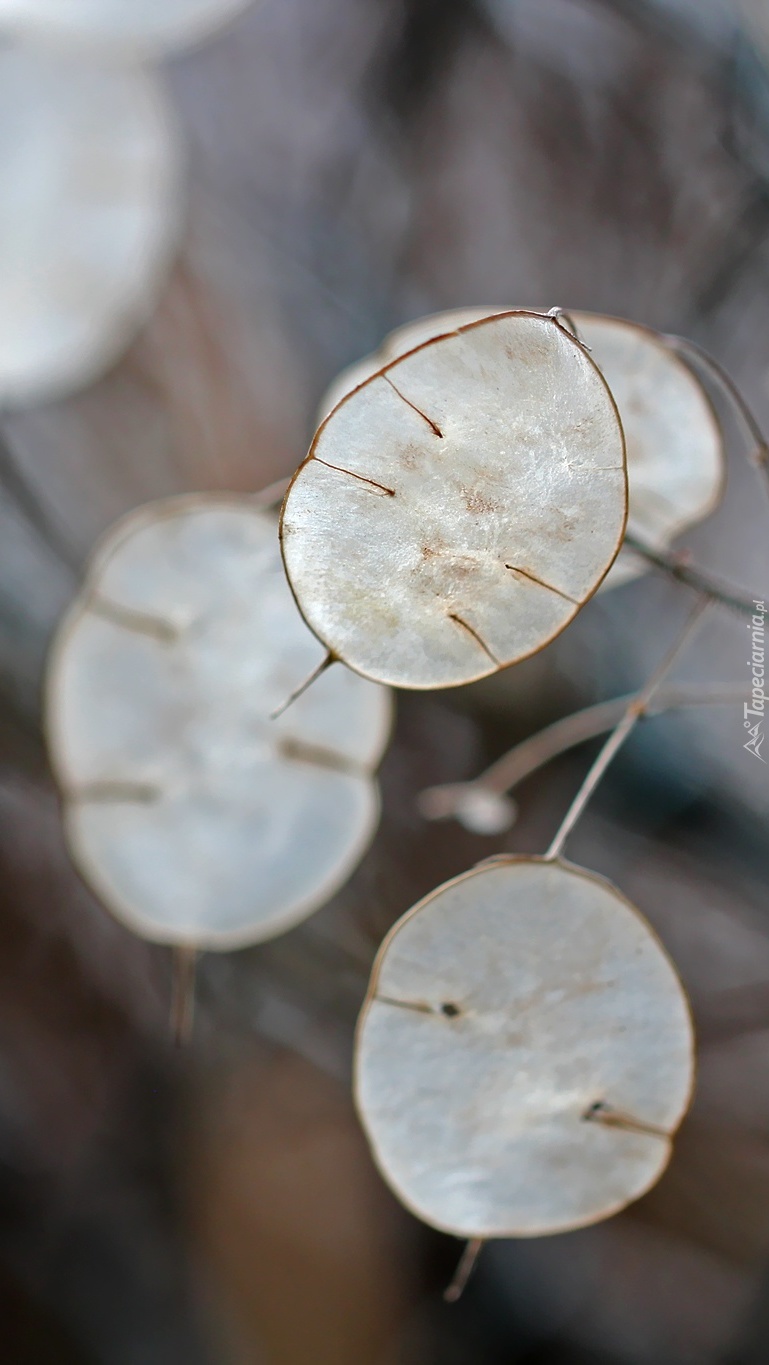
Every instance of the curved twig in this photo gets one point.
(635, 710)
(674, 563)
(504, 775)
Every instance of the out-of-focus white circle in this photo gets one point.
(196, 817)
(91, 170)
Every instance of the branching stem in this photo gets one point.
(635, 710)
(676, 566)
(443, 802)
(467, 1264)
(325, 663)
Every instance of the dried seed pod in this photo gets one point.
(675, 446)
(525, 1052)
(457, 509)
(119, 25)
(195, 816)
(91, 211)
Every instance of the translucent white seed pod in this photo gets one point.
(524, 1054)
(91, 208)
(195, 816)
(675, 445)
(457, 510)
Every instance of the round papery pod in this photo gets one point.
(91, 209)
(456, 510)
(121, 26)
(195, 816)
(675, 448)
(524, 1054)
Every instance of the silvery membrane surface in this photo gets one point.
(195, 816)
(457, 509)
(524, 1054)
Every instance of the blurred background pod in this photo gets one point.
(198, 816)
(92, 211)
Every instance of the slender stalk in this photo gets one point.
(183, 993)
(758, 448)
(635, 710)
(443, 802)
(560, 313)
(467, 1263)
(297, 692)
(676, 566)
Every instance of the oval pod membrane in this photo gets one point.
(456, 510)
(675, 445)
(90, 213)
(119, 25)
(196, 817)
(524, 1054)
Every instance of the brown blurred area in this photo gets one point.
(352, 164)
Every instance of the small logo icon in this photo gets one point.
(753, 745)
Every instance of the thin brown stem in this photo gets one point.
(184, 965)
(676, 566)
(617, 738)
(560, 313)
(758, 448)
(601, 1112)
(443, 802)
(467, 1263)
(298, 691)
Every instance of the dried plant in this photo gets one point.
(525, 1051)
(82, 252)
(352, 165)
